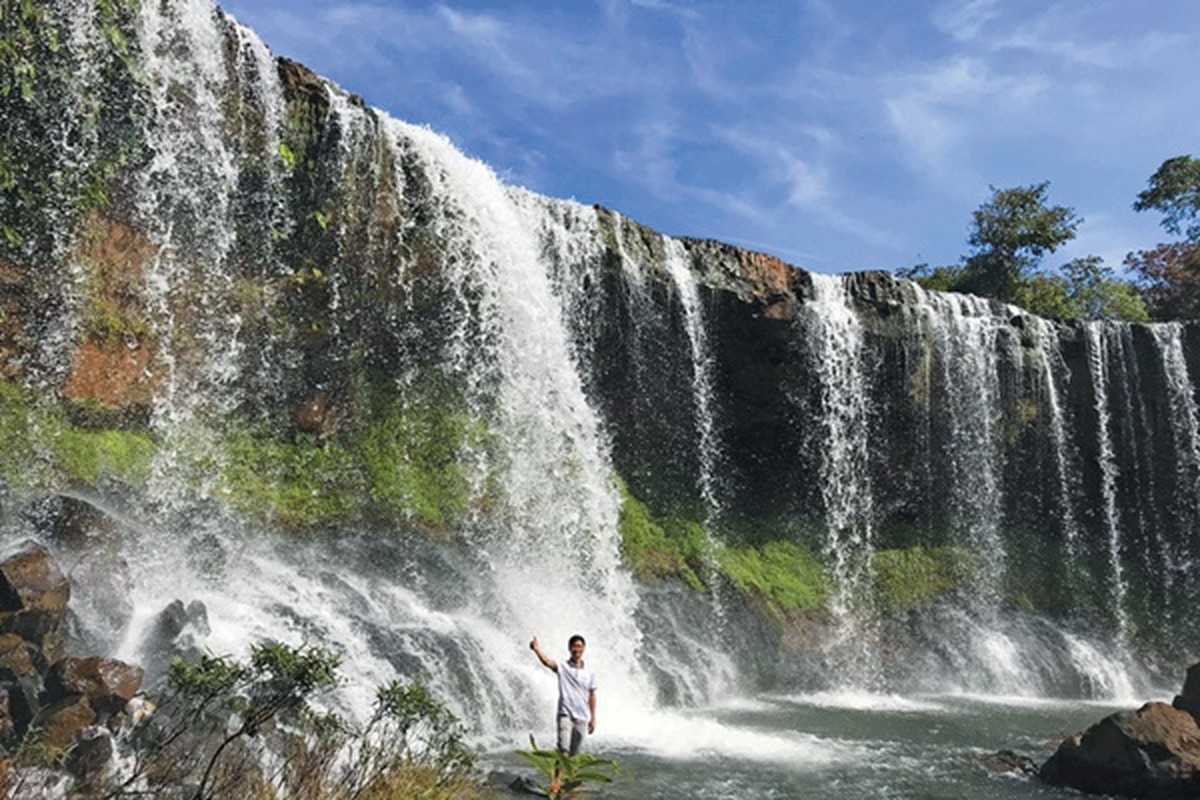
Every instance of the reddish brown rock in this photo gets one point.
(1153, 752)
(61, 722)
(316, 415)
(31, 581)
(17, 655)
(107, 683)
(112, 375)
(33, 594)
(112, 369)
(770, 278)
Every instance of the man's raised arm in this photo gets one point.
(549, 662)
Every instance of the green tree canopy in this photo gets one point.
(1010, 234)
(1174, 191)
(1170, 273)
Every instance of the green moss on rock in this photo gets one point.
(302, 484)
(41, 447)
(402, 458)
(782, 575)
(412, 457)
(654, 550)
(87, 455)
(916, 576)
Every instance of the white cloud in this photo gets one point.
(651, 162)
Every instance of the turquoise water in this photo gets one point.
(846, 746)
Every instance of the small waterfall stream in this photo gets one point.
(845, 482)
(964, 333)
(1098, 357)
(707, 441)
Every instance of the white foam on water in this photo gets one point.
(852, 700)
(690, 737)
(1035, 701)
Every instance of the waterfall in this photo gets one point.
(184, 202)
(1064, 452)
(964, 334)
(1098, 357)
(845, 482)
(676, 262)
(1184, 420)
(299, 245)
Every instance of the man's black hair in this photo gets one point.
(571, 641)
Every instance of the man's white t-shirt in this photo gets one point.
(574, 685)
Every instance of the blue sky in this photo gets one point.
(836, 135)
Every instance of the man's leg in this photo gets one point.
(566, 734)
(578, 731)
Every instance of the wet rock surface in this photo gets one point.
(62, 699)
(107, 683)
(1153, 752)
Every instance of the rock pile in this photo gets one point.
(70, 701)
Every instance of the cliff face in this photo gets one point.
(225, 281)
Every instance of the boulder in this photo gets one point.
(1191, 682)
(1153, 752)
(107, 683)
(61, 722)
(1008, 762)
(175, 632)
(31, 581)
(18, 656)
(18, 703)
(73, 524)
(33, 594)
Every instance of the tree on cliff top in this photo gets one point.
(1174, 191)
(1170, 272)
(1010, 234)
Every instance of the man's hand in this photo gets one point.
(546, 660)
(592, 725)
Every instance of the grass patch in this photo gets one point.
(41, 447)
(302, 484)
(412, 459)
(781, 574)
(917, 576)
(87, 455)
(655, 549)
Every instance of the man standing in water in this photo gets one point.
(576, 694)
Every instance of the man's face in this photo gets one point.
(576, 648)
